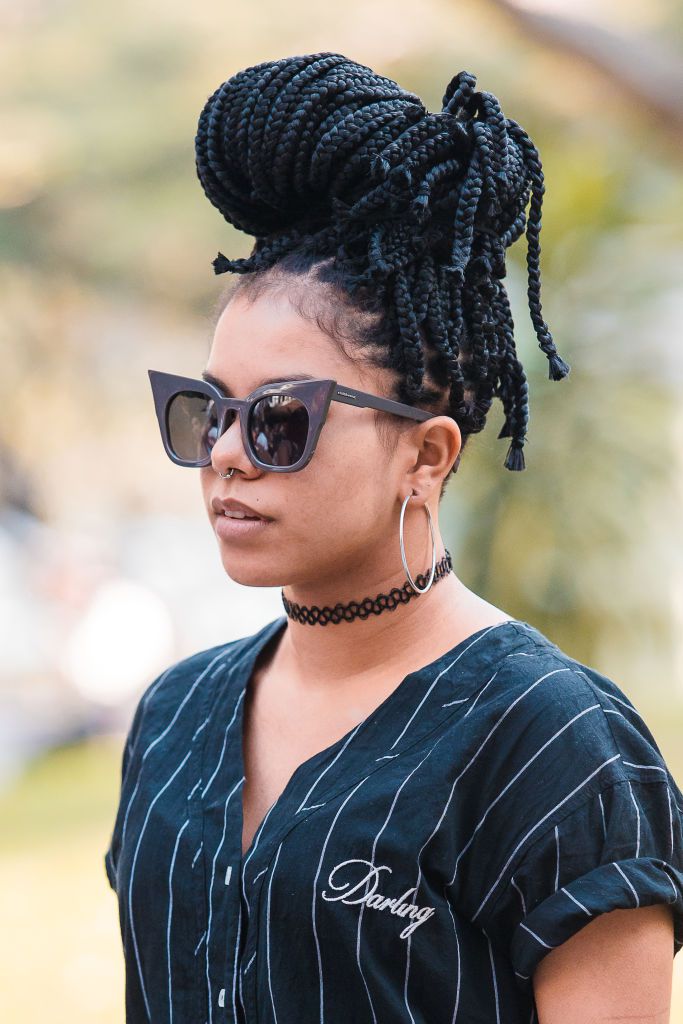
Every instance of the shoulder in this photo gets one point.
(548, 735)
(180, 692)
(177, 683)
(547, 705)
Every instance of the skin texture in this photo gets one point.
(618, 967)
(336, 538)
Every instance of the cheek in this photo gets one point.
(348, 483)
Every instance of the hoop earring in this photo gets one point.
(403, 550)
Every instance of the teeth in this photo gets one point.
(238, 515)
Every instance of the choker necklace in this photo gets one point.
(311, 614)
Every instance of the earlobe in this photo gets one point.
(412, 494)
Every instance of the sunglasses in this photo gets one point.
(280, 422)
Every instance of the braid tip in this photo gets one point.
(420, 206)
(557, 368)
(221, 264)
(515, 456)
(379, 168)
(454, 270)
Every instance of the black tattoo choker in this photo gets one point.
(313, 615)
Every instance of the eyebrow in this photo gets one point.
(210, 379)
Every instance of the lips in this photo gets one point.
(222, 505)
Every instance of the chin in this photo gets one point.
(244, 568)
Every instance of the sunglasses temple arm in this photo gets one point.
(363, 400)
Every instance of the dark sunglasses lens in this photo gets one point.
(193, 425)
(278, 429)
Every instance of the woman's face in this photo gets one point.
(335, 520)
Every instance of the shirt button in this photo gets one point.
(221, 997)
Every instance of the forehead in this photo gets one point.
(267, 339)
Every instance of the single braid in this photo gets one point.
(406, 212)
(409, 350)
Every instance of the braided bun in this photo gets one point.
(321, 157)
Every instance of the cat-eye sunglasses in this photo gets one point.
(280, 422)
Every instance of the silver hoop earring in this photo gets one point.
(226, 475)
(403, 550)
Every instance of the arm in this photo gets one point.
(618, 967)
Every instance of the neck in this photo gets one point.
(412, 634)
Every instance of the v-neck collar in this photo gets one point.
(419, 705)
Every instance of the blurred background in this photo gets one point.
(108, 568)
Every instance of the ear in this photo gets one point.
(431, 449)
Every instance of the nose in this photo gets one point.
(228, 450)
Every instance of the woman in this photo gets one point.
(396, 802)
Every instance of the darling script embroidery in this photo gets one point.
(374, 899)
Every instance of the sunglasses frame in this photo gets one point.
(316, 395)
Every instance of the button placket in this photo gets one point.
(260, 862)
(226, 916)
(219, 799)
(254, 873)
(195, 813)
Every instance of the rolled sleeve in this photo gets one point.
(622, 849)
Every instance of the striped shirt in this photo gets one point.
(418, 869)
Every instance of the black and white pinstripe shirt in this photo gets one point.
(417, 870)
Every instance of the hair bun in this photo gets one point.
(321, 144)
(288, 144)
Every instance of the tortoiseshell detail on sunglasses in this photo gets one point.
(315, 395)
